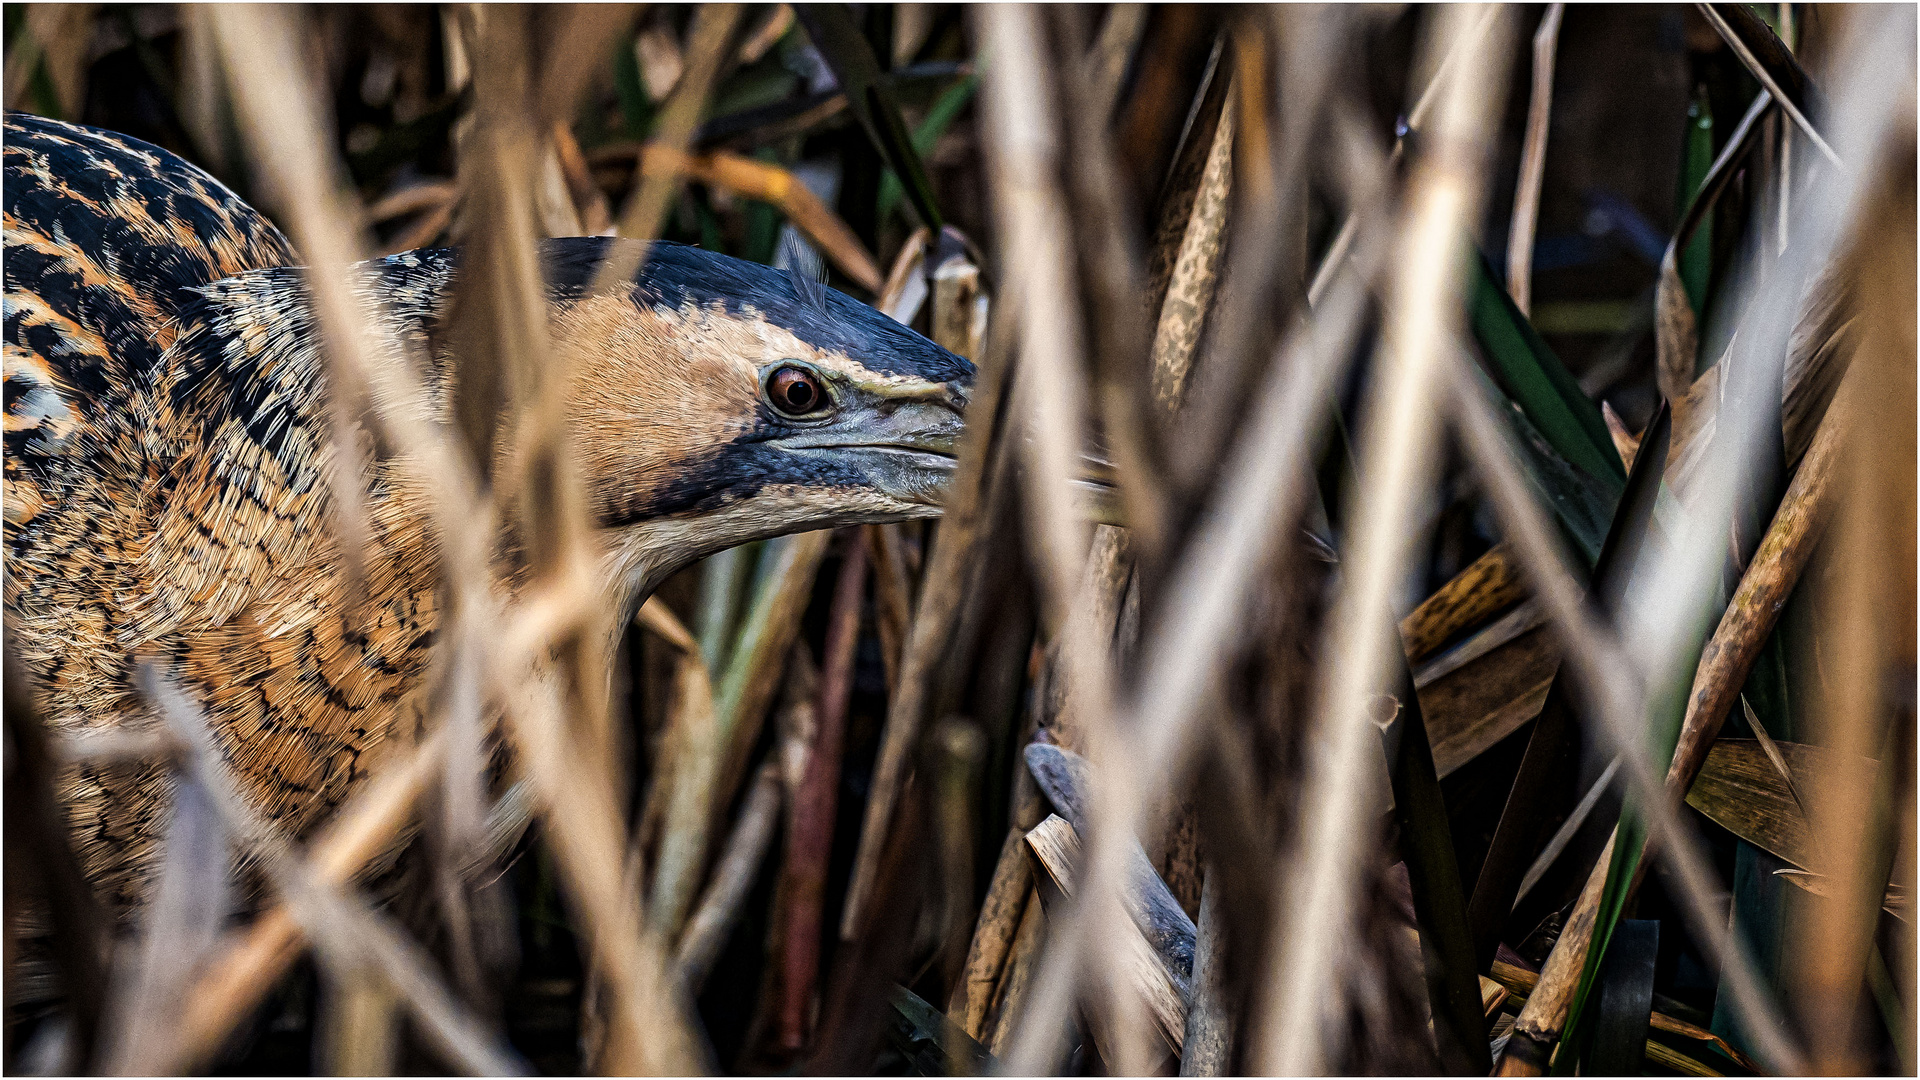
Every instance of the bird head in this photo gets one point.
(712, 401)
(718, 401)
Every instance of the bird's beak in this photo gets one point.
(904, 439)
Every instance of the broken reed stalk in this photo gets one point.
(1056, 846)
(1771, 575)
(1533, 162)
(997, 926)
(810, 828)
(733, 877)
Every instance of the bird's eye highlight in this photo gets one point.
(796, 392)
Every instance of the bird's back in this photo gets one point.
(106, 236)
(106, 239)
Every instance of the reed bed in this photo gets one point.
(1336, 654)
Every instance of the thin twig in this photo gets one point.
(348, 934)
(713, 29)
(810, 827)
(1533, 162)
(733, 877)
(1759, 71)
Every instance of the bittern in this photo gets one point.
(166, 429)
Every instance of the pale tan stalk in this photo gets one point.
(1318, 916)
(1656, 625)
(1533, 162)
(713, 28)
(1051, 393)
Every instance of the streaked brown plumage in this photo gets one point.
(164, 463)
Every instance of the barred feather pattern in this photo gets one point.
(163, 490)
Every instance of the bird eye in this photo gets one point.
(796, 392)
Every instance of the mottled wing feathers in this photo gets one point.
(106, 236)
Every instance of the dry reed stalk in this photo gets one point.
(995, 930)
(1772, 573)
(892, 598)
(810, 827)
(1056, 846)
(412, 200)
(694, 748)
(347, 934)
(906, 289)
(1533, 161)
(752, 679)
(1318, 918)
(575, 53)
(37, 836)
(362, 1025)
(651, 1031)
(1759, 72)
(58, 36)
(1520, 983)
(1488, 586)
(1343, 241)
(1869, 615)
(1868, 113)
(1022, 131)
(1206, 1048)
(1264, 480)
(1107, 60)
(424, 231)
(276, 109)
(656, 616)
(707, 40)
(768, 183)
(960, 300)
(955, 751)
(1625, 442)
(588, 199)
(180, 927)
(1676, 329)
(501, 386)
(768, 34)
(964, 521)
(1196, 271)
(733, 877)
(1010, 997)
